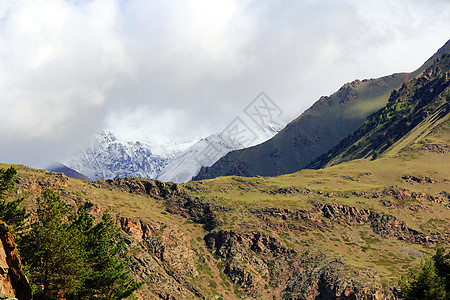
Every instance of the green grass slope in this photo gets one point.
(416, 108)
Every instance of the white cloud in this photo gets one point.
(70, 68)
(59, 60)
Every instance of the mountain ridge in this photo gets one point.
(426, 98)
(317, 130)
(61, 168)
(324, 124)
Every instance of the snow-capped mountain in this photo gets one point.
(207, 151)
(113, 154)
(187, 164)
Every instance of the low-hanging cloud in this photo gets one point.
(71, 68)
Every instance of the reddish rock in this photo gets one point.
(37, 185)
(421, 180)
(166, 243)
(13, 283)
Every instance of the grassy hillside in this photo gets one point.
(350, 228)
(415, 109)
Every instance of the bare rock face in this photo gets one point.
(162, 256)
(321, 277)
(252, 259)
(13, 283)
(199, 211)
(38, 185)
(166, 243)
(142, 186)
(263, 266)
(387, 226)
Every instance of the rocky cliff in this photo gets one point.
(13, 283)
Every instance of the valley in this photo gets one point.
(351, 228)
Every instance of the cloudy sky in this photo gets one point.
(69, 68)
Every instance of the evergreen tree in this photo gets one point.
(6, 180)
(10, 213)
(51, 250)
(69, 256)
(109, 278)
(429, 282)
(442, 264)
(65, 254)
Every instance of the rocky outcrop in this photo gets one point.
(167, 244)
(320, 277)
(387, 226)
(91, 208)
(163, 257)
(13, 283)
(293, 190)
(38, 185)
(437, 148)
(421, 180)
(142, 186)
(258, 262)
(199, 211)
(405, 195)
(250, 258)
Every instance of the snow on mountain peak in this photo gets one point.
(121, 153)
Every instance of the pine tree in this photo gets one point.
(64, 253)
(427, 283)
(51, 250)
(6, 180)
(442, 264)
(68, 256)
(109, 278)
(10, 213)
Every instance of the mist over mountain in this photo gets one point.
(109, 156)
(177, 159)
